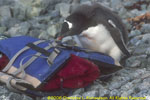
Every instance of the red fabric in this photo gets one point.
(77, 73)
(3, 61)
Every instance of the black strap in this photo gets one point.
(38, 49)
(51, 55)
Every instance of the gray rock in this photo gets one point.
(64, 9)
(145, 28)
(114, 85)
(35, 32)
(38, 25)
(127, 24)
(145, 85)
(2, 29)
(19, 29)
(129, 2)
(14, 96)
(127, 86)
(44, 35)
(55, 13)
(86, 2)
(136, 63)
(122, 12)
(9, 22)
(136, 12)
(5, 12)
(136, 40)
(148, 8)
(90, 94)
(116, 4)
(103, 92)
(133, 61)
(134, 33)
(19, 12)
(78, 91)
(144, 6)
(6, 2)
(114, 92)
(140, 50)
(148, 51)
(146, 38)
(52, 30)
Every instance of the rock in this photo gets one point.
(5, 11)
(90, 94)
(136, 12)
(114, 92)
(19, 29)
(36, 25)
(127, 86)
(78, 91)
(64, 9)
(33, 12)
(35, 32)
(148, 51)
(129, 3)
(2, 29)
(136, 63)
(122, 12)
(55, 13)
(44, 35)
(134, 33)
(140, 50)
(143, 6)
(19, 12)
(128, 26)
(144, 85)
(86, 2)
(146, 38)
(135, 40)
(114, 85)
(145, 28)
(8, 23)
(52, 30)
(116, 4)
(103, 92)
(6, 2)
(14, 96)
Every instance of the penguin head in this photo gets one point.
(78, 21)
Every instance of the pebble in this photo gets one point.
(64, 9)
(145, 28)
(2, 29)
(134, 33)
(90, 94)
(103, 92)
(19, 29)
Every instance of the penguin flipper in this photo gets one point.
(118, 38)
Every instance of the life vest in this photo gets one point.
(33, 62)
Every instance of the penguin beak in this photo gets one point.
(60, 36)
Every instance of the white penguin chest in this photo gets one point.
(98, 38)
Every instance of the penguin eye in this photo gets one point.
(70, 25)
(111, 23)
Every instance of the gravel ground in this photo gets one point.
(43, 19)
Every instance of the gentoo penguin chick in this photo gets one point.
(98, 29)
